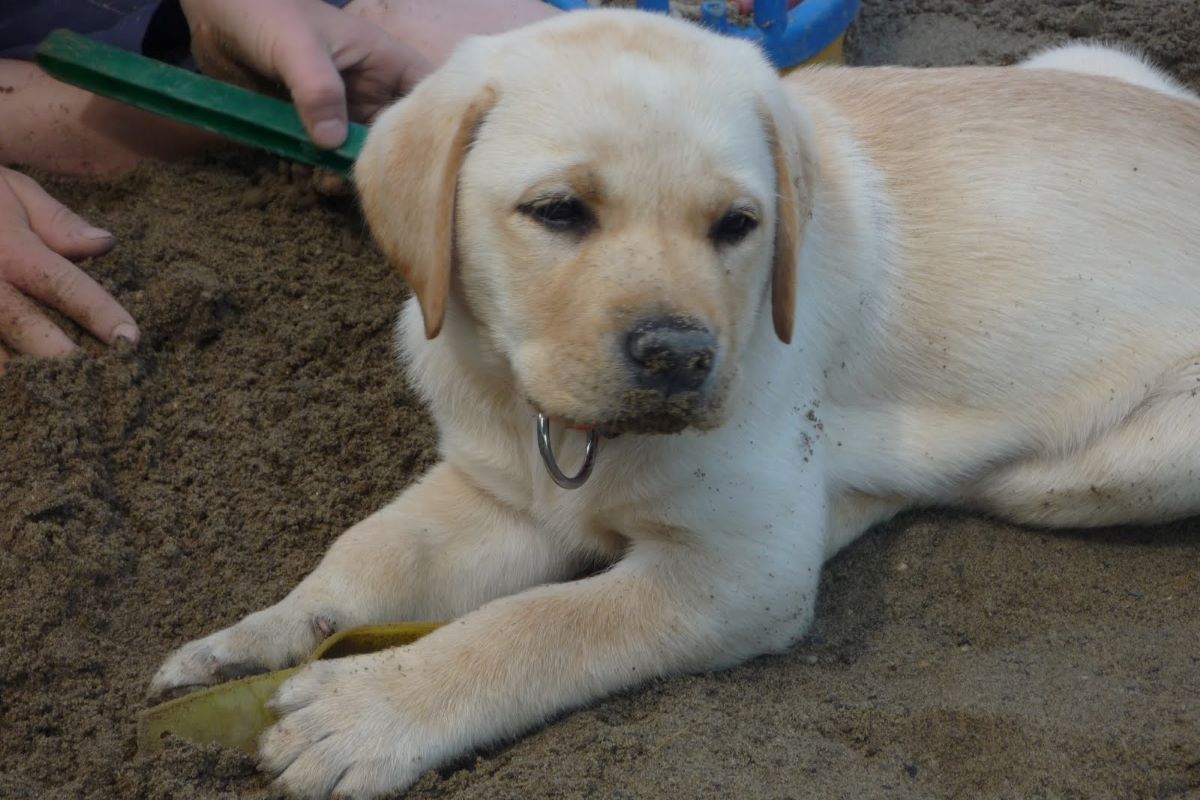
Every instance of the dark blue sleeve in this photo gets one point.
(153, 27)
(119, 22)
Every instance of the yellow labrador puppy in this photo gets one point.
(789, 308)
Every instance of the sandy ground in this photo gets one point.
(150, 496)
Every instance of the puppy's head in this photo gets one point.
(615, 197)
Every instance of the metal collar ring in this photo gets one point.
(589, 456)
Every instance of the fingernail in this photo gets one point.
(329, 133)
(125, 331)
(95, 233)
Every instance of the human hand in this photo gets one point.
(321, 53)
(435, 27)
(37, 237)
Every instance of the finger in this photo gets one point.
(58, 283)
(379, 70)
(304, 63)
(25, 329)
(328, 184)
(64, 231)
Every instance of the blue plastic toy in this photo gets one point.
(812, 29)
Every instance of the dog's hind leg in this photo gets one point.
(1146, 470)
(440, 550)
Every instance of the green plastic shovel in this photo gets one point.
(230, 111)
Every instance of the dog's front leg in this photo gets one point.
(441, 549)
(362, 726)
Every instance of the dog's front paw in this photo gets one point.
(266, 640)
(342, 732)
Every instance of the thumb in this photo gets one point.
(304, 63)
(62, 230)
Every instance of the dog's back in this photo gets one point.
(1027, 207)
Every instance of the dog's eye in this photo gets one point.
(733, 227)
(560, 213)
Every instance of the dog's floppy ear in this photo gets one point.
(407, 177)
(791, 141)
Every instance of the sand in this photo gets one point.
(149, 496)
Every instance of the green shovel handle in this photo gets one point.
(229, 111)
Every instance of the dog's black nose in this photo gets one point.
(671, 354)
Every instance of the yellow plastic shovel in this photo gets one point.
(235, 713)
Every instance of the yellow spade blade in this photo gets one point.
(235, 713)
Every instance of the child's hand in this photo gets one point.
(435, 27)
(324, 55)
(37, 237)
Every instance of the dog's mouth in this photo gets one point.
(634, 410)
(645, 412)
(642, 412)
